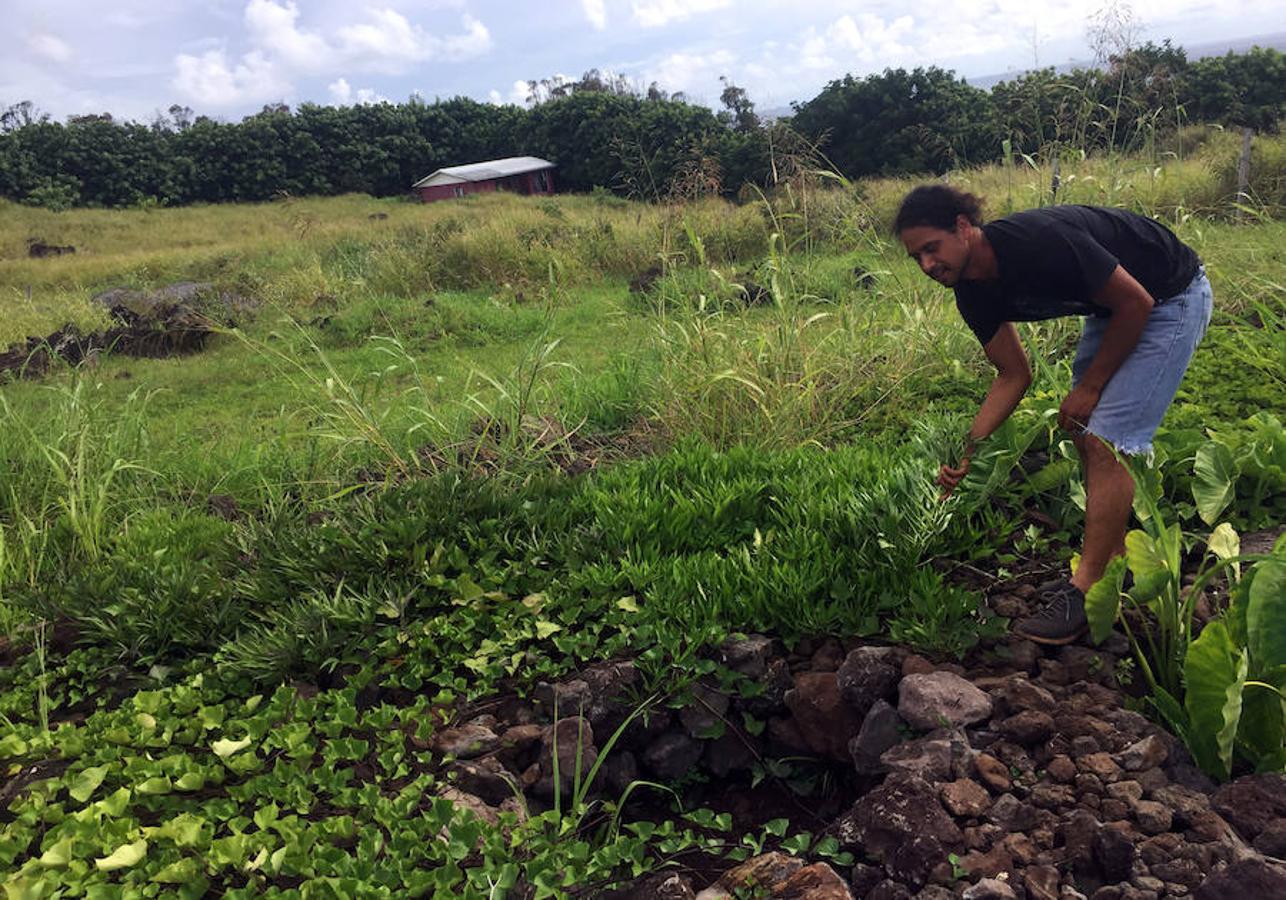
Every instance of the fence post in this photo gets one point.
(1243, 173)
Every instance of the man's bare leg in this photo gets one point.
(1109, 498)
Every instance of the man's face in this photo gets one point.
(942, 255)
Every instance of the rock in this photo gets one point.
(464, 741)
(915, 664)
(1004, 812)
(866, 676)
(1114, 853)
(660, 886)
(672, 755)
(518, 746)
(1052, 796)
(566, 698)
(618, 771)
(880, 730)
(1159, 848)
(573, 739)
(902, 822)
(476, 805)
(1250, 803)
(783, 732)
(1021, 695)
(771, 700)
(1021, 849)
(1062, 769)
(1145, 754)
(1209, 826)
(704, 716)
(761, 872)
(1041, 882)
(991, 864)
(732, 752)
(1100, 765)
(1250, 878)
(1153, 818)
(992, 772)
(1178, 871)
(1079, 830)
(748, 655)
(1082, 744)
(935, 892)
(825, 721)
(941, 699)
(1151, 780)
(965, 798)
(865, 878)
(828, 656)
(1272, 840)
(927, 758)
(889, 890)
(815, 882)
(1128, 792)
(1027, 727)
(486, 778)
(989, 889)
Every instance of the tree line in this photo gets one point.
(601, 133)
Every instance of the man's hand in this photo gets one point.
(1074, 413)
(949, 477)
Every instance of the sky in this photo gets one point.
(228, 58)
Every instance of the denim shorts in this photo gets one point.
(1135, 400)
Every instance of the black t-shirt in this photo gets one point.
(1053, 261)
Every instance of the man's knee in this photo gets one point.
(1098, 453)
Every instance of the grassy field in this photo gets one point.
(453, 450)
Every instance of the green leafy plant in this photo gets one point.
(1197, 681)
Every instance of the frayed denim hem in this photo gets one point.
(1125, 448)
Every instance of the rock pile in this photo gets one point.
(1025, 779)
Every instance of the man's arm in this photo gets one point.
(1131, 305)
(1013, 377)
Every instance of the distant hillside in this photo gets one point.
(1275, 41)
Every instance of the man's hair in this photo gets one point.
(937, 206)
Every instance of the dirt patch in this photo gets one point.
(38, 249)
(491, 443)
(171, 321)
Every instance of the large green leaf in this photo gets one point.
(1103, 600)
(124, 856)
(1266, 615)
(1214, 480)
(1225, 543)
(1215, 673)
(1263, 721)
(1148, 563)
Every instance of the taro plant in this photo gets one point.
(1197, 681)
(1235, 676)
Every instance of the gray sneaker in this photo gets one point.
(1061, 621)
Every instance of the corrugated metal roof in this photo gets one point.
(485, 171)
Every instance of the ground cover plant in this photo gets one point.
(248, 593)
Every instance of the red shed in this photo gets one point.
(521, 174)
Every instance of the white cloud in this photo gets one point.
(868, 39)
(340, 91)
(342, 94)
(655, 13)
(692, 73)
(272, 28)
(385, 42)
(209, 79)
(475, 41)
(49, 46)
(518, 95)
(595, 12)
